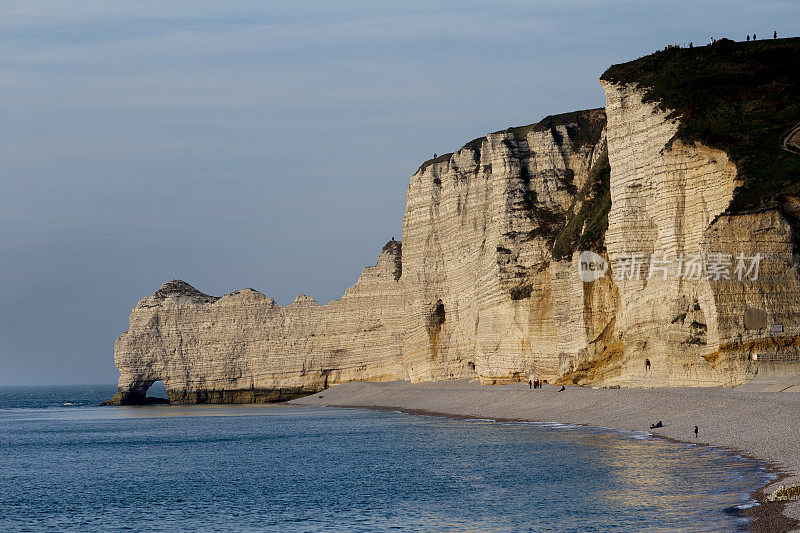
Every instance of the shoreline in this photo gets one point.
(505, 403)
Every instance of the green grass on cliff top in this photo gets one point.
(741, 98)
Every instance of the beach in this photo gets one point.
(762, 425)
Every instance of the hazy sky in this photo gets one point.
(238, 144)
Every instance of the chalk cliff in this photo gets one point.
(705, 188)
(478, 270)
(669, 202)
(244, 348)
(486, 281)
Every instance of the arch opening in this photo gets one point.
(148, 394)
(157, 391)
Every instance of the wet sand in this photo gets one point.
(763, 425)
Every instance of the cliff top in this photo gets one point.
(177, 287)
(583, 128)
(739, 97)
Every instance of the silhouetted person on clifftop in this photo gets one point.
(748, 37)
(775, 35)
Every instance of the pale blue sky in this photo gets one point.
(239, 144)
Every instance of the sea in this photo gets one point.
(68, 465)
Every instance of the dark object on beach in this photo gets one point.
(530, 384)
(695, 432)
(563, 388)
(657, 425)
(646, 365)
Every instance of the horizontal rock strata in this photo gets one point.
(245, 348)
(486, 284)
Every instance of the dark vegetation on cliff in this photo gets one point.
(583, 225)
(586, 228)
(742, 98)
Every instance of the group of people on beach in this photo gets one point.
(534, 383)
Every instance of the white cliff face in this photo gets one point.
(244, 347)
(756, 317)
(662, 199)
(475, 233)
(486, 282)
(667, 203)
(474, 293)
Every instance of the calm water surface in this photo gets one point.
(283, 468)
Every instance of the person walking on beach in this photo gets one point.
(695, 432)
(530, 384)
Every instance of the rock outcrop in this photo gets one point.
(486, 283)
(669, 203)
(478, 272)
(245, 348)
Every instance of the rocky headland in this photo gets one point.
(689, 168)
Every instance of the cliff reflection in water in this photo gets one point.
(663, 478)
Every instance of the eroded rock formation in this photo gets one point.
(478, 271)
(244, 348)
(486, 284)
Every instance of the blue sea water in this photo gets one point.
(79, 467)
